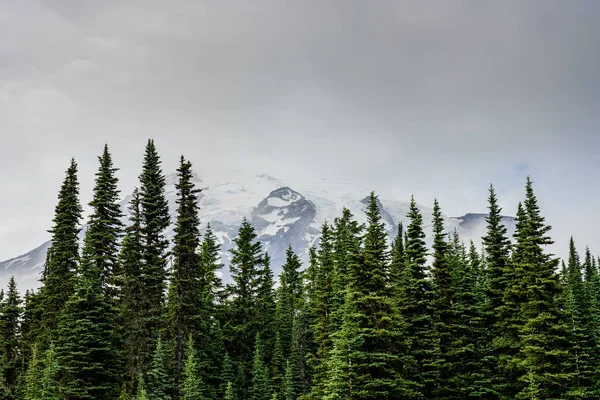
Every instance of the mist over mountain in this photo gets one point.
(282, 214)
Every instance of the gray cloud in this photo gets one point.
(435, 98)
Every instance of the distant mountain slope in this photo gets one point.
(282, 214)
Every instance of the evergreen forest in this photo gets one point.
(133, 315)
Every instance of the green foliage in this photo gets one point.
(58, 279)
(85, 348)
(185, 290)
(10, 330)
(192, 386)
(105, 228)
(422, 359)
(154, 220)
(157, 377)
(261, 388)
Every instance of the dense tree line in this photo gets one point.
(370, 317)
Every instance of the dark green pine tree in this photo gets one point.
(29, 324)
(289, 390)
(377, 365)
(300, 373)
(266, 307)
(192, 387)
(58, 282)
(292, 276)
(442, 282)
(210, 265)
(210, 312)
(321, 303)
(506, 343)
(345, 233)
(33, 379)
(154, 220)
(422, 359)
(340, 375)
(157, 378)
(469, 378)
(105, 229)
(397, 261)
(261, 388)
(11, 312)
(241, 320)
(591, 287)
(227, 376)
(497, 273)
(86, 347)
(544, 343)
(185, 290)
(582, 336)
(49, 384)
(278, 366)
(132, 301)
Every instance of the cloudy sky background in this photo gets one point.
(436, 98)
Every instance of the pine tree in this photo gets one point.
(444, 296)
(156, 377)
(154, 220)
(229, 392)
(141, 393)
(422, 359)
(377, 364)
(185, 291)
(582, 337)
(58, 282)
(278, 366)
(468, 376)
(33, 378)
(543, 336)
(241, 326)
(261, 389)
(104, 228)
(50, 388)
(10, 317)
(211, 283)
(227, 376)
(266, 306)
(397, 261)
(86, 350)
(132, 302)
(192, 386)
(497, 274)
(509, 318)
(300, 382)
(124, 394)
(321, 302)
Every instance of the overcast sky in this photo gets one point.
(435, 98)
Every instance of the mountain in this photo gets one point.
(283, 214)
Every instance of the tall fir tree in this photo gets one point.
(422, 359)
(185, 290)
(321, 303)
(496, 277)
(33, 379)
(397, 261)
(544, 342)
(105, 228)
(442, 282)
(132, 307)
(11, 311)
(50, 389)
(578, 313)
(266, 306)
(58, 282)
(154, 220)
(241, 327)
(86, 347)
(469, 378)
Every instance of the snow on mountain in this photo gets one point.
(283, 213)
